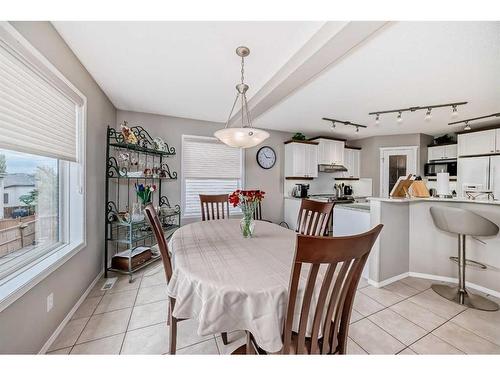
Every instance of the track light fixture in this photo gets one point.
(428, 114)
(428, 108)
(347, 123)
(466, 121)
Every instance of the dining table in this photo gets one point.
(227, 282)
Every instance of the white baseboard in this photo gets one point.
(479, 288)
(455, 280)
(65, 321)
(380, 284)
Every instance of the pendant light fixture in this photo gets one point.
(245, 136)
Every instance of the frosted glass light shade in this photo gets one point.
(241, 137)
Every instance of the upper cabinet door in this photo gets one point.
(450, 151)
(355, 163)
(435, 153)
(330, 151)
(311, 168)
(301, 160)
(477, 143)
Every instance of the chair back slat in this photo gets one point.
(155, 224)
(314, 217)
(214, 207)
(336, 293)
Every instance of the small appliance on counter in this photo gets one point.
(300, 190)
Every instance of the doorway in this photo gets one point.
(396, 162)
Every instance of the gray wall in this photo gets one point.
(370, 153)
(25, 325)
(172, 128)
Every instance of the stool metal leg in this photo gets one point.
(459, 293)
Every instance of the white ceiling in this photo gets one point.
(189, 69)
(184, 69)
(407, 64)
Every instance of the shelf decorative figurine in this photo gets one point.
(247, 201)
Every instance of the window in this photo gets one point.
(208, 167)
(42, 215)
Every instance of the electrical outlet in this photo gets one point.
(50, 301)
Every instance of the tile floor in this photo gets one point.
(405, 317)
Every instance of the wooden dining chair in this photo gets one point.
(155, 223)
(344, 258)
(314, 217)
(214, 207)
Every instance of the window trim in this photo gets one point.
(75, 221)
(191, 218)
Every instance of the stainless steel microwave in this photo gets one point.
(432, 169)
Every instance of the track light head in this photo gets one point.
(454, 112)
(399, 119)
(377, 119)
(357, 129)
(332, 125)
(467, 126)
(428, 114)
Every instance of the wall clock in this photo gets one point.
(266, 157)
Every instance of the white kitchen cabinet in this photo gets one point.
(292, 207)
(330, 151)
(352, 163)
(442, 152)
(479, 143)
(301, 159)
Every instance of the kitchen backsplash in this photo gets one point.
(323, 184)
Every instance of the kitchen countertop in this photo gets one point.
(364, 207)
(454, 200)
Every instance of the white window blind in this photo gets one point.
(208, 167)
(35, 116)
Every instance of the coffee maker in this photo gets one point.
(300, 190)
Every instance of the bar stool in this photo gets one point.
(464, 223)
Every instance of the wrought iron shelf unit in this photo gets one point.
(126, 165)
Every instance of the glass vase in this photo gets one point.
(137, 212)
(247, 224)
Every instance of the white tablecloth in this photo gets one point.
(229, 283)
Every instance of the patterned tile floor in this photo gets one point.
(405, 317)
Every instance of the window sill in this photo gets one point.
(16, 287)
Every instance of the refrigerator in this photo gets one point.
(481, 173)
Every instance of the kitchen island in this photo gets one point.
(411, 245)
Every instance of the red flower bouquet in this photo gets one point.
(247, 200)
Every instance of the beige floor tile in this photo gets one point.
(147, 340)
(399, 327)
(153, 269)
(353, 348)
(418, 315)
(156, 279)
(362, 283)
(87, 308)
(69, 334)
(401, 289)
(437, 304)
(60, 351)
(417, 283)
(187, 333)
(483, 323)
(206, 347)
(107, 324)
(382, 296)
(465, 340)
(235, 340)
(374, 339)
(107, 345)
(407, 351)
(431, 344)
(366, 305)
(116, 301)
(151, 294)
(123, 284)
(146, 315)
(96, 290)
(355, 316)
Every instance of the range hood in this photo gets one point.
(331, 168)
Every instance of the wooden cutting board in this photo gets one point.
(419, 190)
(402, 187)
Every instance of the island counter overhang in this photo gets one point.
(411, 245)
